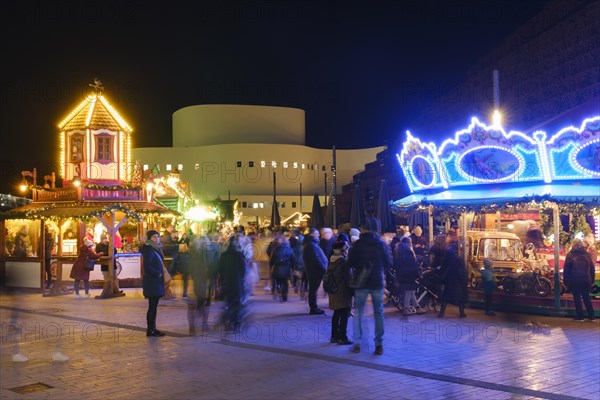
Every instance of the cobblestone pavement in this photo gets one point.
(282, 352)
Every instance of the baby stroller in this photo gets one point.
(429, 290)
(391, 295)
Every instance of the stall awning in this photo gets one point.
(585, 192)
(83, 209)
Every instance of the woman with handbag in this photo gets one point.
(83, 265)
(153, 281)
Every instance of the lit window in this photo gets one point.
(76, 148)
(303, 166)
(180, 167)
(169, 167)
(296, 165)
(104, 148)
(145, 167)
(285, 164)
(262, 205)
(255, 205)
(196, 167)
(274, 164)
(263, 164)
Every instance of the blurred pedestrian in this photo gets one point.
(49, 245)
(454, 277)
(407, 272)
(578, 274)
(232, 268)
(81, 267)
(153, 282)
(281, 263)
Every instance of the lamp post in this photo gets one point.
(24, 184)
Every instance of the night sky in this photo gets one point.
(360, 70)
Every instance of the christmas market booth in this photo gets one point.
(103, 195)
(517, 199)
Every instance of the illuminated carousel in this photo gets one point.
(489, 180)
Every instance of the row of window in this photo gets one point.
(263, 164)
(263, 204)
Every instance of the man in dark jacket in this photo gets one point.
(370, 252)
(153, 283)
(315, 265)
(579, 275)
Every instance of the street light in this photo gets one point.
(497, 118)
(24, 184)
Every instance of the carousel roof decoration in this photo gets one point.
(481, 165)
(95, 112)
(483, 154)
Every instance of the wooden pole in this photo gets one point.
(556, 231)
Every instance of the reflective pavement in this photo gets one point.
(282, 352)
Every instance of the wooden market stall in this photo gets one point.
(103, 193)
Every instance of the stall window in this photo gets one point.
(76, 147)
(104, 148)
(22, 238)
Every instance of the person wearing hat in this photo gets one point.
(419, 242)
(354, 235)
(578, 274)
(80, 271)
(340, 301)
(153, 283)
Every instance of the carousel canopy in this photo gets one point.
(585, 192)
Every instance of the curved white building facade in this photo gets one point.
(230, 123)
(224, 150)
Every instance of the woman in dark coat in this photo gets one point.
(232, 268)
(454, 278)
(153, 282)
(341, 301)
(80, 271)
(281, 263)
(407, 271)
(579, 276)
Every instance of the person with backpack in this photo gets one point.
(340, 294)
(579, 276)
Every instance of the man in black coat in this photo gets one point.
(315, 265)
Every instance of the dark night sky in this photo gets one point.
(360, 70)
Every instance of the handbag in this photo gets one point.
(359, 276)
(166, 276)
(90, 264)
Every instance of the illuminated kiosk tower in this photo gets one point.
(95, 143)
(101, 188)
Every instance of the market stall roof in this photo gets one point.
(584, 192)
(83, 209)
